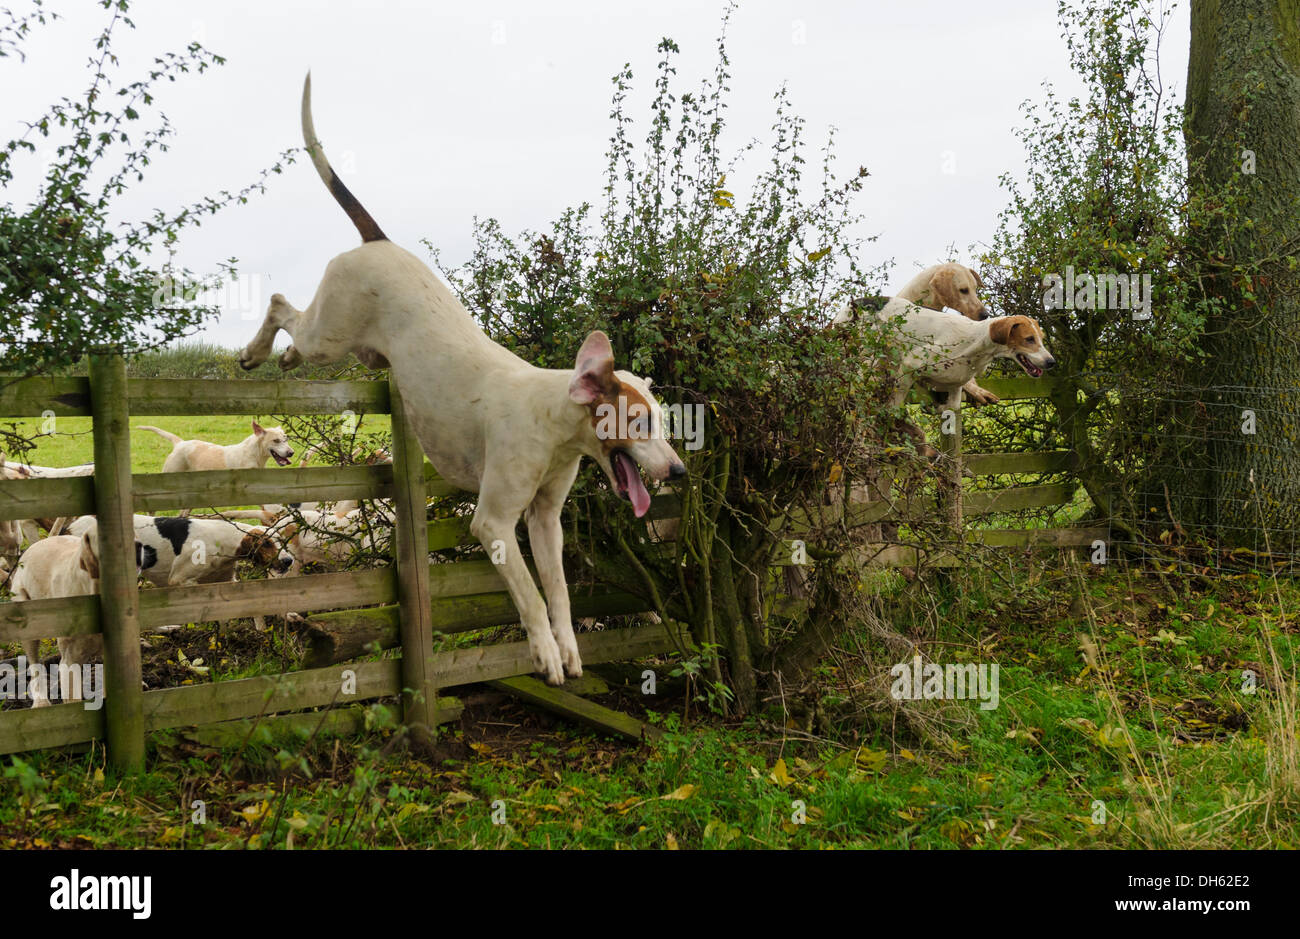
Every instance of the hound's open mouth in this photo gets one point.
(1032, 370)
(628, 478)
(282, 460)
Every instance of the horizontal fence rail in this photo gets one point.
(173, 397)
(219, 702)
(161, 492)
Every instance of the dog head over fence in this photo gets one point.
(627, 423)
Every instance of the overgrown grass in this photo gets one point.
(1122, 723)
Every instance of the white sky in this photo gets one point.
(435, 112)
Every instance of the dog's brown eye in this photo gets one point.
(965, 290)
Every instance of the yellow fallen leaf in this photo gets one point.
(251, 813)
(871, 760)
(671, 842)
(780, 775)
(681, 792)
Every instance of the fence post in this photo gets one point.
(118, 588)
(411, 533)
(950, 480)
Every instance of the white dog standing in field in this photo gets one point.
(489, 421)
(250, 453)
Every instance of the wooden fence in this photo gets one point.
(412, 597)
(395, 607)
(966, 510)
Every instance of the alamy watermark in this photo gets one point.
(914, 681)
(240, 294)
(77, 891)
(35, 681)
(632, 422)
(1110, 291)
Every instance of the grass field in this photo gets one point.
(1152, 743)
(70, 442)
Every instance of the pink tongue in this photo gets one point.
(635, 488)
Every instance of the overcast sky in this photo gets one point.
(435, 112)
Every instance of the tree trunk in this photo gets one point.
(1244, 77)
(731, 620)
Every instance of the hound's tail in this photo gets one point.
(366, 225)
(166, 435)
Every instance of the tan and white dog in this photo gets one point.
(950, 285)
(945, 351)
(488, 421)
(252, 452)
(956, 287)
(64, 566)
(328, 538)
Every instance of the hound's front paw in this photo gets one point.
(248, 360)
(546, 658)
(290, 358)
(569, 655)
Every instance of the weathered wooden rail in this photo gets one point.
(963, 504)
(411, 599)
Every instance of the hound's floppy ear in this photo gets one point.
(1000, 330)
(941, 288)
(979, 284)
(258, 429)
(593, 372)
(89, 560)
